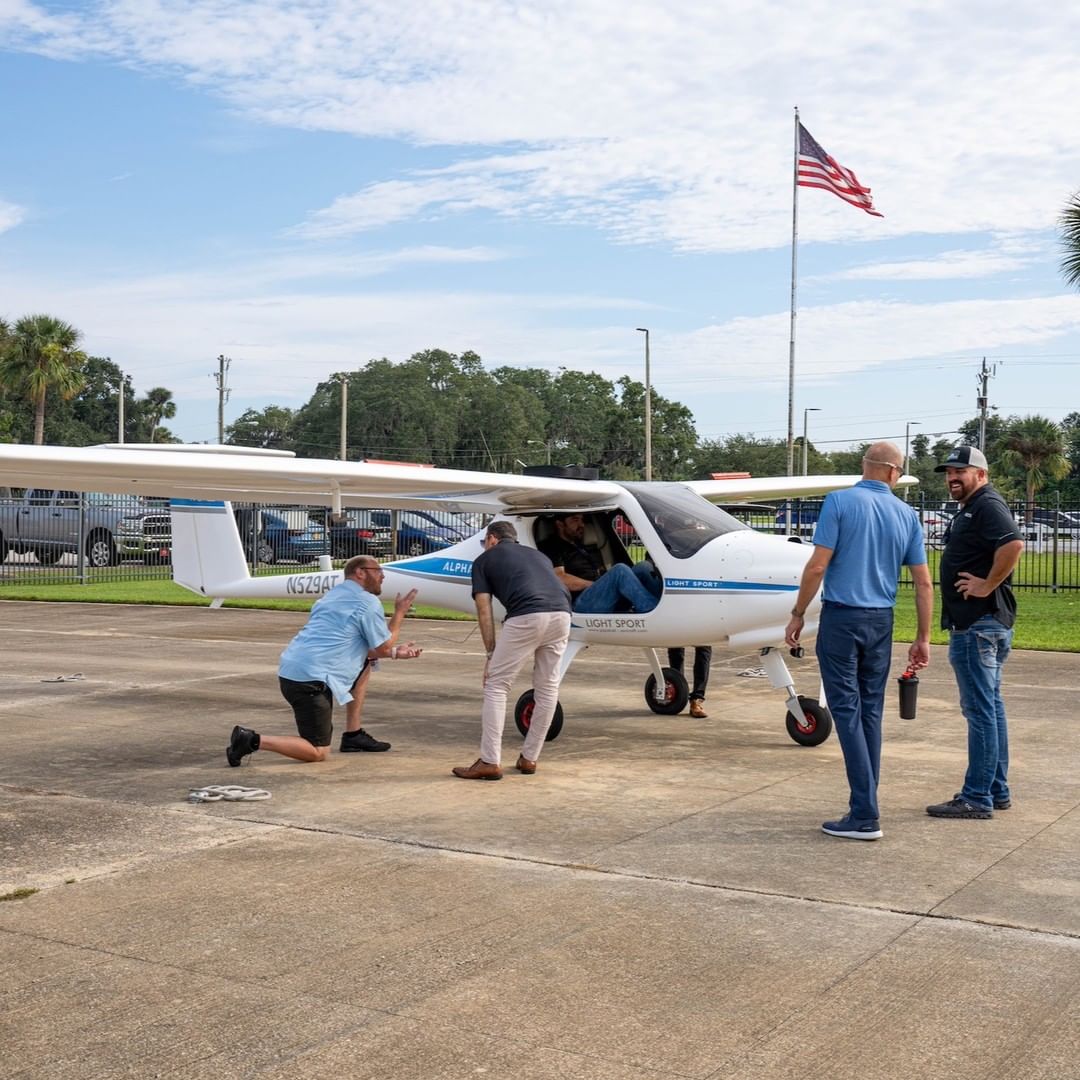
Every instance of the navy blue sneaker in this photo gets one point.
(958, 807)
(850, 830)
(1003, 804)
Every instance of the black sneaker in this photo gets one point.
(353, 741)
(1003, 804)
(242, 741)
(958, 808)
(850, 830)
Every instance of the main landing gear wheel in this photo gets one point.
(523, 711)
(676, 693)
(813, 727)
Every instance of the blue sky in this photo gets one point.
(306, 186)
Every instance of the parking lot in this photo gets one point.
(656, 902)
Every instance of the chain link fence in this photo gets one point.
(68, 536)
(51, 536)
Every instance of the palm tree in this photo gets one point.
(158, 405)
(41, 354)
(1070, 240)
(1035, 446)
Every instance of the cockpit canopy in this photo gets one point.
(684, 521)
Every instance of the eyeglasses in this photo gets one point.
(361, 569)
(889, 464)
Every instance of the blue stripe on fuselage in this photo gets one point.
(451, 569)
(437, 567)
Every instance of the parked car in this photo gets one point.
(803, 518)
(624, 530)
(419, 532)
(935, 525)
(105, 528)
(358, 534)
(1063, 522)
(281, 533)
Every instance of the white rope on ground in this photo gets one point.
(66, 678)
(754, 673)
(227, 793)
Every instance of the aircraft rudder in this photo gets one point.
(206, 549)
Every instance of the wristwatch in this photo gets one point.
(797, 613)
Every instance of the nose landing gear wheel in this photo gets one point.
(813, 727)
(675, 695)
(523, 712)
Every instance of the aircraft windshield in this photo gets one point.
(684, 520)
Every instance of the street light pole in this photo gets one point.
(648, 408)
(907, 444)
(804, 435)
(344, 416)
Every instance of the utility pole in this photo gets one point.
(648, 407)
(982, 400)
(344, 413)
(120, 411)
(907, 449)
(223, 395)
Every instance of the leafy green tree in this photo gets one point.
(1035, 446)
(156, 406)
(268, 429)
(40, 355)
(741, 453)
(1070, 240)
(92, 415)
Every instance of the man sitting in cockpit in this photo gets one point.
(593, 587)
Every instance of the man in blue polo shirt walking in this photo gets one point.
(863, 537)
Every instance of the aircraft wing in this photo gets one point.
(743, 489)
(274, 478)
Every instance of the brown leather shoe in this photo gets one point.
(524, 765)
(478, 770)
(697, 709)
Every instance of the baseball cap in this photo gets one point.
(963, 457)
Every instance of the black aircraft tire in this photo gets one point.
(523, 711)
(815, 726)
(676, 693)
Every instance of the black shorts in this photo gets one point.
(313, 707)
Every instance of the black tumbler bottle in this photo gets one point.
(909, 692)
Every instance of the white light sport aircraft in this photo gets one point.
(722, 583)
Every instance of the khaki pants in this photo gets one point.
(544, 636)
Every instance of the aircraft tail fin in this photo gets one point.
(207, 556)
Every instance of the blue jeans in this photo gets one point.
(639, 587)
(977, 655)
(854, 650)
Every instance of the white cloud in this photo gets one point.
(839, 339)
(658, 123)
(167, 330)
(10, 215)
(949, 265)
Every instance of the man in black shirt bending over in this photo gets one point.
(537, 624)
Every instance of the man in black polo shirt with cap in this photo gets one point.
(982, 548)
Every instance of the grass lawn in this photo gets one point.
(1046, 621)
(163, 591)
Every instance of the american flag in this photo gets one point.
(817, 169)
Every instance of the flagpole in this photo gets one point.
(791, 342)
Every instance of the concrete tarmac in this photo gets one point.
(657, 901)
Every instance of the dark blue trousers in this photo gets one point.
(854, 650)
